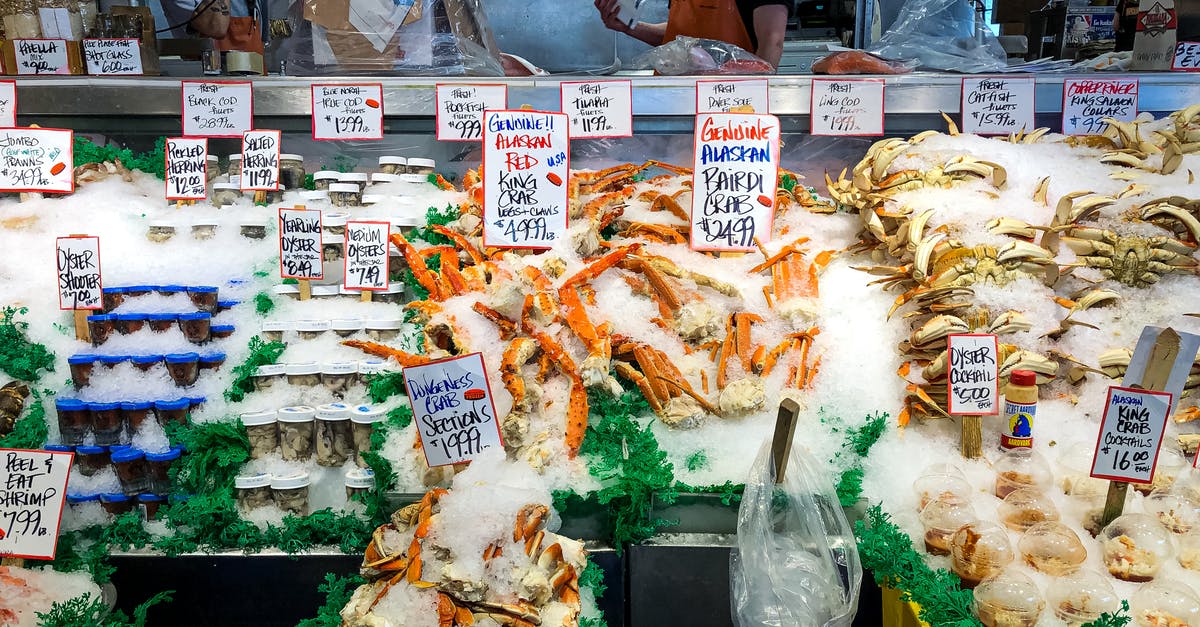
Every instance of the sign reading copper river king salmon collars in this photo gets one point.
(526, 165)
(734, 178)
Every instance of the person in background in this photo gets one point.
(230, 23)
(754, 25)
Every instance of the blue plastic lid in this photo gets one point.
(179, 447)
(196, 400)
(182, 358)
(162, 316)
(103, 406)
(136, 405)
(113, 359)
(203, 289)
(101, 318)
(198, 315)
(58, 448)
(82, 498)
(133, 316)
(113, 290)
(113, 497)
(170, 455)
(140, 288)
(83, 358)
(127, 455)
(69, 404)
(181, 403)
(119, 447)
(91, 450)
(171, 288)
(145, 359)
(212, 357)
(219, 328)
(226, 304)
(151, 498)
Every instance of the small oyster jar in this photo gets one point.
(334, 222)
(415, 179)
(221, 331)
(196, 326)
(372, 199)
(1176, 512)
(204, 297)
(253, 491)
(116, 503)
(160, 231)
(316, 198)
(74, 420)
(394, 294)
(1025, 508)
(235, 165)
(383, 330)
(135, 414)
(418, 165)
(979, 550)
(111, 298)
(324, 178)
(129, 323)
(100, 326)
(212, 361)
(184, 368)
(90, 460)
(149, 504)
(345, 327)
(172, 411)
(262, 431)
(359, 482)
(137, 291)
(1052, 548)
(225, 194)
(944, 482)
(81, 369)
(1008, 599)
(941, 519)
(213, 171)
(334, 439)
(384, 178)
(362, 424)
(162, 322)
(391, 164)
(265, 376)
(111, 361)
(368, 368)
(1135, 547)
(226, 305)
(291, 171)
(273, 330)
(338, 376)
(1082, 597)
(204, 230)
(296, 431)
(333, 249)
(131, 470)
(291, 492)
(253, 229)
(170, 290)
(158, 465)
(1020, 468)
(311, 329)
(1165, 603)
(354, 178)
(106, 423)
(345, 195)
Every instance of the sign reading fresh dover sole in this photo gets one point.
(452, 402)
(33, 490)
(734, 179)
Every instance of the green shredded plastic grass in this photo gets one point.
(384, 385)
(435, 217)
(1120, 618)
(151, 162)
(261, 354)
(697, 461)
(216, 451)
(592, 577)
(337, 591)
(21, 358)
(92, 611)
(263, 304)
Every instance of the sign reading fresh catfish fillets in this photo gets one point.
(347, 111)
(300, 244)
(997, 105)
(847, 107)
(721, 96)
(452, 402)
(187, 168)
(598, 108)
(113, 57)
(78, 265)
(33, 490)
(1087, 101)
(734, 177)
(366, 255)
(525, 172)
(460, 109)
(37, 160)
(973, 374)
(1131, 433)
(260, 160)
(217, 109)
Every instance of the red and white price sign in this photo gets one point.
(187, 168)
(41, 56)
(720, 96)
(347, 111)
(31, 502)
(366, 256)
(8, 104)
(598, 108)
(217, 109)
(1087, 101)
(260, 160)
(973, 374)
(113, 57)
(526, 165)
(37, 160)
(997, 105)
(78, 263)
(300, 244)
(734, 175)
(1187, 57)
(452, 401)
(1130, 434)
(460, 109)
(847, 107)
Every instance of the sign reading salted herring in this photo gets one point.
(33, 490)
(734, 175)
(452, 402)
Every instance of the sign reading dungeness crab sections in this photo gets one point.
(734, 178)
(526, 165)
(452, 402)
(33, 489)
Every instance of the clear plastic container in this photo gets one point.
(315, 198)
(390, 164)
(359, 482)
(226, 305)
(354, 178)
(204, 230)
(346, 327)
(393, 295)
(417, 165)
(334, 222)
(1189, 548)
(1082, 597)
(345, 195)
(1169, 466)
(334, 438)
(941, 481)
(235, 165)
(304, 373)
(160, 231)
(273, 330)
(1177, 513)
(128, 323)
(362, 424)
(290, 492)
(221, 331)
(262, 431)
(131, 469)
(135, 414)
(253, 229)
(383, 330)
(368, 368)
(149, 504)
(212, 361)
(311, 329)
(1052, 548)
(100, 326)
(1135, 547)
(979, 550)
(184, 368)
(941, 518)
(291, 171)
(225, 194)
(157, 466)
(373, 199)
(204, 297)
(111, 298)
(90, 460)
(338, 376)
(1008, 599)
(74, 420)
(137, 291)
(116, 503)
(1021, 468)
(170, 290)
(196, 327)
(297, 426)
(162, 322)
(81, 369)
(324, 178)
(414, 179)
(253, 491)
(1025, 508)
(1165, 604)
(106, 423)
(266, 376)
(145, 363)
(172, 411)
(214, 167)
(81, 503)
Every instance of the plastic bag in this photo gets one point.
(690, 56)
(796, 561)
(405, 37)
(941, 35)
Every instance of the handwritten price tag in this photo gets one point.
(734, 180)
(452, 401)
(37, 160)
(300, 244)
(366, 255)
(460, 110)
(1087, 101)
(721, 96)
(113, 57)
(260, 160)
(598, 108)
(8, 104)
(41, 56)
(187, 168)
(997, 105)
(1187, 57)
(79, 279)
(217, 109)
(847, 107)
(973, 379)
(1130, 435)
(33, 490)
(526, 165)
(346, 111)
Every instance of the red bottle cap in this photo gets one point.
(1023, 377)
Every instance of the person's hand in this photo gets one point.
(608, 13)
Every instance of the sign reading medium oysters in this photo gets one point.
(33, 490)
(1130, 435)
(734, 180)
(526, 165)
(366, 255)
(187, 168)
(972, 377)
(452, 402)
(37, 160)
(78, 265)
(300, 244)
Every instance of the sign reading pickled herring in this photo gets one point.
(78, 266)
(734, 180)
(300, 244)
(33, 489)
(525, 171)
(452, 401)
(187, 168)
(37, 160)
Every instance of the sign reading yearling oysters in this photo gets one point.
(452, 402)
(973, 379)
(1130, 434)
(187, 168)
(1087, 101)
(734, 177)
(78, 272)
(525, 171)
(300, 244)
(33, 489)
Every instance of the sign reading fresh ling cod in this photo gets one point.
(734, 176)
(847, 107)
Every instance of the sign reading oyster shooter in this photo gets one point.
(972, 375)
(452, 402)
(187, 168)
(1088, 101)
(526, 166)
(300, 244)
(734, 179)
(33, 490)
(366, 255)
(37, 160)
(78, 264)
(1130, 434)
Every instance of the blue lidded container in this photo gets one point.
(81, 369)
(184, 368)
(212, 361)
(220, 331)
(76, 499)
(111, 297)
(116, 503)
(100, 327)
(127, 323)
(196, 326)
(204, 297)
(131, 470)
(134, 291)
(91, 459)
(172, 411)
(59, 448)
(106, 422)
(157, 466)
(161, 322)
(113, 360)
(74, 419)
(145, 362)
(149, 504)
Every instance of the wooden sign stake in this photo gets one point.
(972, 436)
(19, 562)
(365, 296)
(781, 442)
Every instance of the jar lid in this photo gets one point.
(161, 317)
(360, 478)
(343, 187)
(312, 325)
(103, 406)
(421, 162)
(299, 413)
(236, 187)
(285, 289)
(91, 450)
(69, 404)
(328, 290)
(246, 482)
(133, 316)
(146, 359)
(127, 455)
(335, 218)
(203, 223)
(339, 367)
(89, 359)
(404, 221)
(162, 224)
(197, 400)
(202, 289)
(1023, 377)
(182, 358)
(237, 157)
(276, 325)
(346, 324)
(129, 289)
(371, 366)
(171, 288)
(166, 456)
(384, 323)
(180, 403)
(414, 178)
(384, 177)
(256, 418)
(366, 414)
(58, 448)
(371, 199)
(353, 177)
(136, 405)
(227, 304)
(287, 156)
(302, 367)
(326, 174)
(222, 328)
(82, 498)
(113, 497)
(212, 358)
(334, 412)
(113, 359)
(315, 194)
(290, 482)
(213, 158)
(392, 160)
(270, 370)
(195, 315)
(101, 317)
(151, 498)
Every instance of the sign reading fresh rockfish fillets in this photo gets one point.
(460, 107)
(187, 168)
(33, 490)
(300, 244)
(452, 402)
(526, 165)
(734, 177)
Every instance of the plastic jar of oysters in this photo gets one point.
(213, 169)
(359, 482)
(253, 491)
(81, 503)
(203, 230)
(290, 492)
(1026, 507)
(358, 179)
(221, 331)
(135, 414)
(129, 323)
(394, 294)
(1135, 547)
(158, 466)
(91, 459)
(1165, 603)
(296, 431)
(149, 504)
(391, 164)
(162, 322)
(323, 179)
(335, 441)
(111, 298)
(383, 330)
(304, 373)
(253, 229)
(1020, 468)
(362, 424)
(273, 330)
(941, 518)
(979, 550)
(235, 165)
(159, 231)
(291, 171)
(172, 411)
(225, 194)
(116, 503)
(111, 361)
(345, 327)
(100, 327)
(1008, 599)
(333, 250)
(131, 470)
(368, 368)
(1052, 548)
(338, 376)
(311, 329)
(81, 369)
(196, 326)
(334, 222)
(204, 297)
(417, 165)
(106, 423)
(74, 419)
(1082, 597)
(345, 195)
(261, 430)
(266, 375)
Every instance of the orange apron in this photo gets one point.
(243, 34)
(707, 19)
